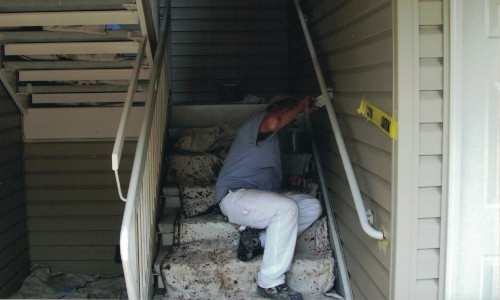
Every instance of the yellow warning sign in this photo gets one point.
(379, 118)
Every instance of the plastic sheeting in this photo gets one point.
(43, 284)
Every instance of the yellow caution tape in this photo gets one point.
(379, 118)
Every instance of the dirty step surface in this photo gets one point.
(205, 266)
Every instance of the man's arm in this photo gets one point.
(279, 118)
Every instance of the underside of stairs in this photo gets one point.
(202, 262)
(74, 53)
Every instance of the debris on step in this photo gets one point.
(195, 169)
(196, 200)
(205, 266)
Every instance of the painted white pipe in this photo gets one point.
(358, 201)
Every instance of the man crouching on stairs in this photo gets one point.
(248, 193)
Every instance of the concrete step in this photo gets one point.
(196, 200)
(205, 266)
(214, 227)
(205, 270)
(195, 169)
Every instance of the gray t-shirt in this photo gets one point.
(251, 164)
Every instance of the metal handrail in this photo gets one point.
(351, 178)
(127, 107)
(129, 246)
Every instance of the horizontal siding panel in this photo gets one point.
(203, 49)
(6, 103)
(204, 97)
(341, 188)
(109, 193)
(428, 233)
(11, 185)
(228, 74)
(228, 13)
(373, 52)
(341, 12)
(431, 107)
(427, 289)
(10, 152)
(71, 223)
(372, 159)
(430, 12)
(228, 38)
(212, 86)
(375, 271)
(8, 136)
(358, 274)
(12, 217)
(356, 291)
(73, 150)
(72, 253)
(372, 186)
(427, 264)
(429, 202)
(12, 234)
(431, 139)
(12, 201)
(20, 264)
(375, 21)
(12, 120)
(11, 169)
(430, 171)
(431, 74)
(224, 3)
(373, 78)
(431, 41)
(350, 228)
(15, 282)
(202, 61)
(12, 251)
(83, 267)
(72, 238)
(88, 208)
(72, 179)
(77, 164)
(222, 25)
(349, 102)
(356, 128)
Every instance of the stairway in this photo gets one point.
(202, 264)
(74, 53)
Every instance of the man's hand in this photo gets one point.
(297, 181)
(309, 106)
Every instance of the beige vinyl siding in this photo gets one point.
(431, 149)
(224, 42)
(74, 211)
(353, 40)
(14, 254)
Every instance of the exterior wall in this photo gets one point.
(430, 195)
(353, 40)
(14, 254)
(225, 42)
(74, 211)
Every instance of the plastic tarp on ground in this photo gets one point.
(43, 284)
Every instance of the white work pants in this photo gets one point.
(284, 215)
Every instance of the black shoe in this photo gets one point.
(249, 246)
(281, 291)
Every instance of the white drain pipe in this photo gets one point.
(358, 201)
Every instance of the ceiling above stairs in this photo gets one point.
(72, 52)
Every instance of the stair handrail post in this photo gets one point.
(132, 275)
(351, 178)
